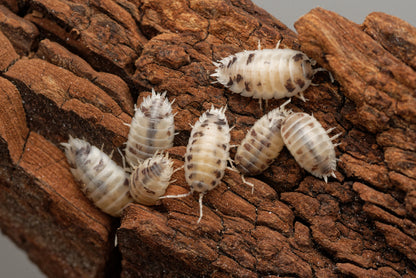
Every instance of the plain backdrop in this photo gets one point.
(14, 262)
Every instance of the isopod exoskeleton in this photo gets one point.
(150, 179)
(310, 144)
(267, 73)
(152, 129)
(104, 182)
(206, 154)
(262, 143)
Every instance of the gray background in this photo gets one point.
(14, 262)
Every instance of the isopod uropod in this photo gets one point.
(103, 181)
(310, 144)
(152, 129)
(206, 154)
(150, 179)
(266, 73)
(262, 143)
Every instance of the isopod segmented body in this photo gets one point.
(310, 144)
(267, 73)
(150, 179)
(152, 129)
(103, 181)
(207, 154)
(262, 143)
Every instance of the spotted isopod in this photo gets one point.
(206, 154)
(152, 129)
(266, 73)
(262, 144)
(310, 144)
(104, 182)
(150, 179)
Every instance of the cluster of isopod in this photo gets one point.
(262, 74)
(111, 187)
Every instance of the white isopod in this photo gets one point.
(104, 182)
(310, 144)
(262, 144)
(207, 154)
(267, 73)
(150, 179)
(152, 129)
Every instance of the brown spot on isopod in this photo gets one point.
(250, 58)
(232, 61)
(220, 122)
(247, 86)
(300, 82)
(289, 85)
(266, 143)
(247, 147)
(217, 174)
(230, 82)
(198, 134)
(297, 57)
(239, 78)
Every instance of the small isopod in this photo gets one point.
(262, 144)
(104, 182)
(207, 154)
(150, 179)
(266, 73)
(152, 129)
(310, 144)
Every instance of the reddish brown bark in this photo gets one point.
(76, 68)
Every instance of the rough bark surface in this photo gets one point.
(76, 68)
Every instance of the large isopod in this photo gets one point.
(266, 73)
(262, 143)
(207, 154)
(310, 144)
(104, 182)
(152, 129)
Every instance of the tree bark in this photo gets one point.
(76, 68)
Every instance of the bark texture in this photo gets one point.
(76, 68)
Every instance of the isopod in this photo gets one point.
(152, 129)
(104, 182)
(150, 179)
(310, 144)
(266, 73)
(262, 144)
(207, 154)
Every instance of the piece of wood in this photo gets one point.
(92, 60)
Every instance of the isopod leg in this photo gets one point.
(278, 44)
(176, 196)
(248, 183)
(301, 96)
(201, 195)
(177, 169)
